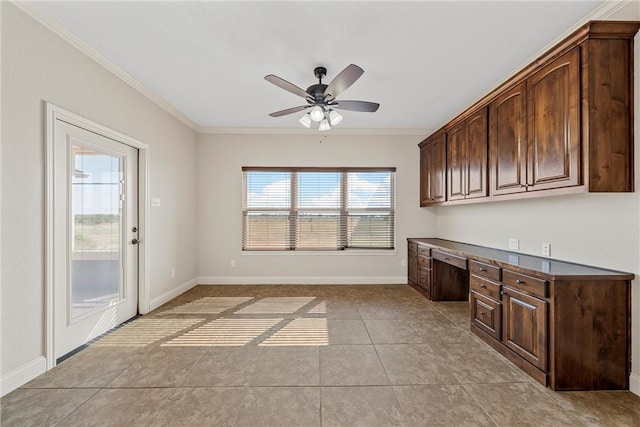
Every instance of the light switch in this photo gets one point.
(155, 202)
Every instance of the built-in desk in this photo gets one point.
(567, 325)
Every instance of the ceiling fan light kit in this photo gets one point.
(317, 113)
(324, 125)
(305, 120)
(335, 117)
(321, 98)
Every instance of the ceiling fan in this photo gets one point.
(321, 98)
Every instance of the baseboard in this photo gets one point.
(171, 294)
(634, 383)
(22, 375)
(302, 280)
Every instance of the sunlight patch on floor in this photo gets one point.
(224, 332)
(208, 305)
(142, 332)
(300, 332)
(272, 305)
(319, 309)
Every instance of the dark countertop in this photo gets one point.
(546, 268)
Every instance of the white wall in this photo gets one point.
(595, 229)
(220, 159)
(39, 66)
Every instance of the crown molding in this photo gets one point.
(83, 47)
(313, 132)
(602, 12)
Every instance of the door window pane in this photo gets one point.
(96, 220)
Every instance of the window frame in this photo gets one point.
(344, 210)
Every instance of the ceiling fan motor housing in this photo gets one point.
(317, 92)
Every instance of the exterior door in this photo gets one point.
(95, 235)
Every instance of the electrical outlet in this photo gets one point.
(514, 244)
(233, 263)
(546, 249)
(173, 272)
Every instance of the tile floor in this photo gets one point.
(301, 356)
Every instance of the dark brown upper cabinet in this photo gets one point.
(535, 130)
(467, 157)
(508, 141)
(554, 124)
(433, 164)
(563, 124)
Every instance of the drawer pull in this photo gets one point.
(483, 269)
(482, 314)
(446, 258)
(483, 286)
(520, 282)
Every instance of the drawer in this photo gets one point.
(424, 280)
(528, 284)
(450, 259)
(484, 287)
(423, 250)
(486, 314)
(492, 272)
(413, 248)
(423, 261)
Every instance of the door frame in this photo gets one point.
(53, 113)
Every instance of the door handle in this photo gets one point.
(135, 241)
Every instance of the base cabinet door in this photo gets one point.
(486, 314)
(413, 263)
(424, 280)
(524, 328)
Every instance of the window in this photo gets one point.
(318, 208)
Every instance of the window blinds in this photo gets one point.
(318, 208)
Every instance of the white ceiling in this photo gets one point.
(424, 61)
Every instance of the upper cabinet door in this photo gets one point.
(508, 141)
(438, 168)
(477, 141)
(554, 124)
(456, 162)
(433, 166)
(425, 168)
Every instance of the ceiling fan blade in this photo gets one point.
(283, 84)
(362, 106)
(342, 81)
(289, 111)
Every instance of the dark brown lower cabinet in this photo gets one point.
(524, 326)
(486, 314)
(566, 325)
(424, 281)
(413, 263)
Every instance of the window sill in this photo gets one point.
(355, 252)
